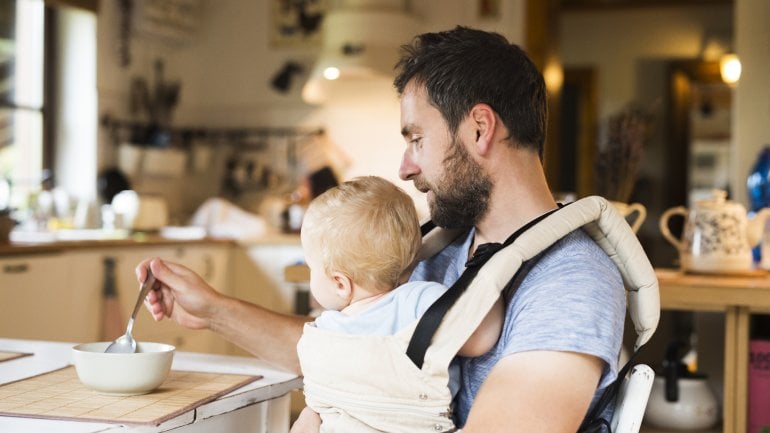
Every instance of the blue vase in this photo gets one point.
(758, 181)
(758, 184)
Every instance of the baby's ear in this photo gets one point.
(343, 286)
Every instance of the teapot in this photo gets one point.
(717, 236)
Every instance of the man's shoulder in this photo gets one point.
(574, 260)
(576, 248)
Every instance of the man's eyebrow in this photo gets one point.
(406, 130)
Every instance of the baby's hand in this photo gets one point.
(308, 421)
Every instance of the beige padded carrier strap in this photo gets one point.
(603, 223)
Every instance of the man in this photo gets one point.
(473, 115)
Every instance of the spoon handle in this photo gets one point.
(149, 282)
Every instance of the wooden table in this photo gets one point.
(737, 297)
(261, 406)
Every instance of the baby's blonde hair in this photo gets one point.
(366, 228)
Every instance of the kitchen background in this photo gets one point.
(227, 78)
(223, 56)
(209, 73)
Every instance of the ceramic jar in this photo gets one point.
(696, 407)
(634, 213)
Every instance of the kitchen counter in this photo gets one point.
(53, 245)
(134, 240)
(261, 406)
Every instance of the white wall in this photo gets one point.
(617, 43)
(226, 68)
(752, 95)
(76, 156)
(623, 45)
(630, 49)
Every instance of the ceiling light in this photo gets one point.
(331, 73)
(359, 43)
(730, 68)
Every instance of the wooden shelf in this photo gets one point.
(737, 297)
(701, 292)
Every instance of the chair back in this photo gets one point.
(632, 400)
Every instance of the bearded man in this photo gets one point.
(473, 115)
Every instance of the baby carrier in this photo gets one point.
(399, 383)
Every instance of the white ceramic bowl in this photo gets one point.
(123, 373)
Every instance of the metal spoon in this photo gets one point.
(126, 343)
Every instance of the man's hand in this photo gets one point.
(180, 294)
(535, 392)
(307, 422)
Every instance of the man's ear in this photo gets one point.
(484, 120)
(343, 286)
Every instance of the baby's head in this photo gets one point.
(365, 228)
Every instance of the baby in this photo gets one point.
(360, 240)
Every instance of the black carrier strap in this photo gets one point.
(430, 321)
(426, 227)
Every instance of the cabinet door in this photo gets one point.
(85, 284)
(105, 319)
(210, 261)
(35, 294)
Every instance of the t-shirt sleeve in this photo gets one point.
(576, 304)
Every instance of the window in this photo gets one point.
(22, 26)
(47, 107)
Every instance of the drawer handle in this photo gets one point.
(208, 273)
(16, 269)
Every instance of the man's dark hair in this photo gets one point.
(463, 67)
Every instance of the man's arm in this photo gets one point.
(535, 392)
(269, 335)
(182, 295)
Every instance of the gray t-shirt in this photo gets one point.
(572, 299)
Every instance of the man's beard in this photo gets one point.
(461, 197)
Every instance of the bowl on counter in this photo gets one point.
(123, 373)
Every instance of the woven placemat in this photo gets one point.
(7, 356)
(60, 395)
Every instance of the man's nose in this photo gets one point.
(408, 168)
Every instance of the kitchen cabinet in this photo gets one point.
(36, 299)
(58, 295)
(259, 272)
(258, 277)
(737, 297)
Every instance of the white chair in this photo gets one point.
(632, 400)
